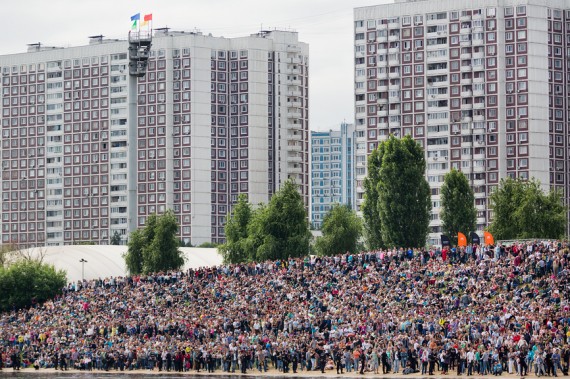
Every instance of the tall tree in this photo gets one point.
(458, 213)
(341, 230)
(404, 200)
(522, 210)
(155, 247)
(281, 228)
(163, 253)
(134, 255)
(370, 213)
(235, 248)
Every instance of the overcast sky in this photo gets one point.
(326, 25)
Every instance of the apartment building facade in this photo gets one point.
(332, 170)
(85, 156)
(481, 85)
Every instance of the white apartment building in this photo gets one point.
(85, 156)
(481, 85)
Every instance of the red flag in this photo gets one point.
(489, 240)
(148, 17)
(461, 240)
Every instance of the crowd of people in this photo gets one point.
(477, 310)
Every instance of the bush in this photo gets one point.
(28, 282)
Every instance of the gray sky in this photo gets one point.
(326, 25)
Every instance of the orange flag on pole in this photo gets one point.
(461, 240)
(489, 240)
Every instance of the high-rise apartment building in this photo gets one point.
(84, 157)
(332, 170)
(481, 85)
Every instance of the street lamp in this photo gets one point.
(83, 261)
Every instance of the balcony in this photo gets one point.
(295, 169)
(294, 60)
(294, 82)
(465, 56)
(294, 136)
(479, 105)
(293, 114)
(295, 147)
(440, 71)
(382, 113)
(293, 48)
(294, 104)
(296, 127)
(294, 158)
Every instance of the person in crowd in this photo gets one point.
(467, 309)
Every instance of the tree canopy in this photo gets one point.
(278, 230)
(370, 212)
(155, 247)
(27, 282)
(403, 206)
(522, 210)
(234, 250)
(341, 230)
(458, 213)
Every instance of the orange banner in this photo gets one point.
(461, 240)
(489, 240)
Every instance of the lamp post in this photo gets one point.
(83, 261)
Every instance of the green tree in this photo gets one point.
(458, 213)
(155, 247)
(341, 230)
(281, 229)
(522, 210)
(163, 254)
(234, 250)
(115, 238)
(134, 255)
(27, 282)
(404, 200)
(370, 213)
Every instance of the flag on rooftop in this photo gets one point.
(135, 21)
(146, 19)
